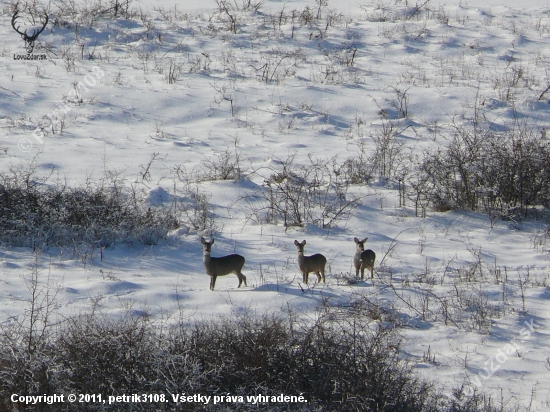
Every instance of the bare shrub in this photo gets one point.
(358, 169)
(382, 11)
(27, 361)
(277, 64)
(300, 194)
(388, 153)
(232, 10)
(111, 356)
(401, 102)
(173, 71)
(242, 356)
(223, 165)
(505, 174)
(344, 55)
(37, 212)
(196, 209)
(192, 203)
(471, 309)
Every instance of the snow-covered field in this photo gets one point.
(170, 94)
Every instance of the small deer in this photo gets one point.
(307, 264)
(363, 258)
(221, 266)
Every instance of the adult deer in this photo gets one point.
(307, 264)
(221, 266)
(363, 258)
(29, 39)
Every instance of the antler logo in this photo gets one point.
(29, 39)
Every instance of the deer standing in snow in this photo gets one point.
(221, 266)
(307, 264)
(363, 258)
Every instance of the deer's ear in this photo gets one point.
(296, 243)
(303, 242)
(211, 240)
(203, 241)
(356, 240)
(364, 240)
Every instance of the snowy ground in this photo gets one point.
(176, 81)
